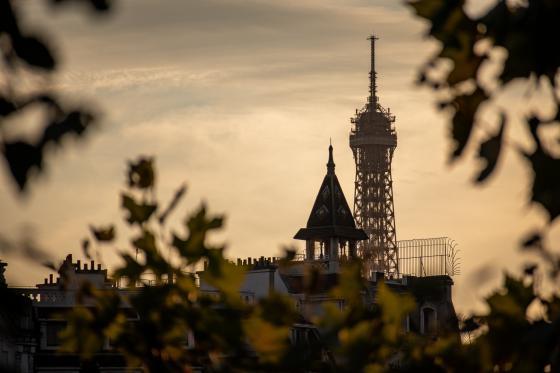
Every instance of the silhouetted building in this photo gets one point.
(45, 307)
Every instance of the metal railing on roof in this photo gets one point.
(428, 257)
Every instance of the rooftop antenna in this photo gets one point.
(373, 75)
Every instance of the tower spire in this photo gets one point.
(330, 164)
(373, 74)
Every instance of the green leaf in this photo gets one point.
(490, 152)
(394, 308)
(269, 341)
(224, 276)
(138, 213)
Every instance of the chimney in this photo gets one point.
(78, 265)
(92, 265)
(99, 267)
(46, 281)
(50, 279)
(85, 267)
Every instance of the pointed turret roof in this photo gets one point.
(330, 215)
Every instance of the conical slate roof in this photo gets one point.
(330, 216)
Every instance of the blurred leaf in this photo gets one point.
(22, 158)
(199, 224)
(490, 152)
(141, 173)
(512, 304)
(546, 181)
(469, 325)
(8, 20)
(34, 51)
(268, 340)
(75, 122)
(466, 107)
(85, 248)
(6, 107)
(395, 308)
(138, 213)
(78, 336)
(529, 269)
(98, 5)
(131, 269)
(103, 234)
(146, 242)
(173, 204)
(224, 276)
(465, 68)
(533, 240)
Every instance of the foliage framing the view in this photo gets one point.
(27, 54)
(229, 333)
(234, 335)
(527, 32)
(508, 341)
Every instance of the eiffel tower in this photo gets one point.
(373, 140)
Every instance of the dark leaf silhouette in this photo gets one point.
(103, 234)
(138, 213)
(533, 240)
(6, 107)
(529, 269)
(22, 158)
(490, 152)
(34, 51)
(85, 248)
(470, 325)
(521, 29)
(98, 5)
(141, 173)
(173, 204)
(465, 107)
(23, 53)
(546, 182)
(75, 122)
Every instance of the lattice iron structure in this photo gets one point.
(373, 140)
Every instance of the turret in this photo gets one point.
(331, 232)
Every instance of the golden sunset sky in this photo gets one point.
(238, 98)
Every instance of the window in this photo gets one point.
(428, 322)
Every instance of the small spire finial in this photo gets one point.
(373, 74)
(330, 164)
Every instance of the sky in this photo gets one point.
(238, 99)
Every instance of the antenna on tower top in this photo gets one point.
(373, 75)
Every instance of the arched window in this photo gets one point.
(428, 320)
